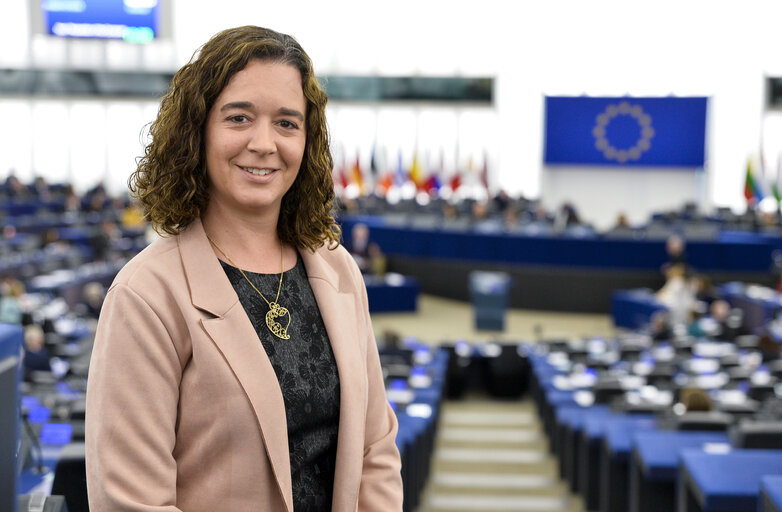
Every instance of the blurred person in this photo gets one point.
(368, 255)
(704, 289)
(729, 323)
(104, 243)
(770, 349)
(566, 217)
(92, 296)
(677, 295)
(480, 211)
(359, 246)
(15, 188)
(11, 291)
(510, 218)
(695, 400)
(51, 242)
(234, 357)
(449, 211)
(501, 201)
(720, 322)
(41, 189)
(675, 249)
(622, 221)
(659, 326)
(96, 202)
(36, 356)
(377, 260)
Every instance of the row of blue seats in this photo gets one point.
(619, 461)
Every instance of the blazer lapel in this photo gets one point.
(338, 306)
(234, 336)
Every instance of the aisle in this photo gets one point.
(492, 456)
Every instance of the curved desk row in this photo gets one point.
(556, 272)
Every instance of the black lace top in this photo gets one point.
(307, 374)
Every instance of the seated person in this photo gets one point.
(721, 323)
(10, 307)
(36, 356)
(695, 399)
(659, 327)
(368, 255)
(92, 300)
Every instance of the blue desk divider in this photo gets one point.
(770, 494)
(57, 434)
(614, 461)
(719, 482)
(39, 414)
(654, 465)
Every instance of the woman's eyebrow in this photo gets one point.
(236, 105)
(291, 112)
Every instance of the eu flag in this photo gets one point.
(625, 131)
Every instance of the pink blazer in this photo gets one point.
(184, 411)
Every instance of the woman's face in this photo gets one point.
(255, 137)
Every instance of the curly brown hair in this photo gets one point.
(171, 180)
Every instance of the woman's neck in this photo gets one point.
(250, 243)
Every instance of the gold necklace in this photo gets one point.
(275, 310)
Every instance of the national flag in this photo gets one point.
(385, 183)
(416, 173)
(456, 180)
(485, 172)
(356, 176)
(340, 177)
(401, 176)
(752, 192)
(433, 184)
(374, 167)
(625, 131)
(776, 189)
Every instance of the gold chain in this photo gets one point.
(275, 310)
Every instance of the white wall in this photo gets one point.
(535, 48)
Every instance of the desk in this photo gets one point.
(770, 493)
(391, 293)
(654, 465)
(758, 309)
(615, 456)
(633, 309)
(728, 482)
(557, 272)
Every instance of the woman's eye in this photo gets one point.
(288, 124)
(241, 118)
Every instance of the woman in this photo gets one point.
(234, 365)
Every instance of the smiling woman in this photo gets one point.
(235, 357)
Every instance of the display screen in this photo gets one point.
(134, 21)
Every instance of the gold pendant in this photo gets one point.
(276, 328)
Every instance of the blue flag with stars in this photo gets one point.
(625, 131)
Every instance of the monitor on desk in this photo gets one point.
(11, 337)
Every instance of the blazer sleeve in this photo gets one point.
(381, 477)
(132, 396)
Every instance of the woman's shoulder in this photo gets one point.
(154, 265)
(337, 257)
